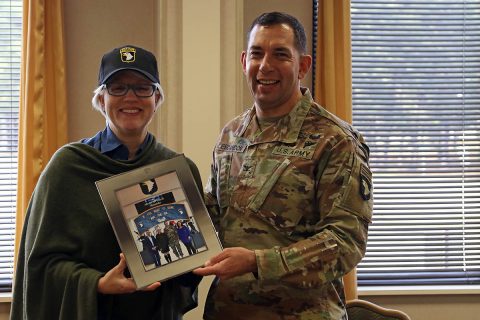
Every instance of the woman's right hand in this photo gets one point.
(115, 282)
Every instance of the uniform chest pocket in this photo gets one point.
(267, 186)
(273, 204)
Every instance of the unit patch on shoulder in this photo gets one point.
(365, 183)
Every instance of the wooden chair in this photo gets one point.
(365, 310)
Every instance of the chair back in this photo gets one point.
(365, 310)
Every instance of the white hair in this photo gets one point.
(100, 91)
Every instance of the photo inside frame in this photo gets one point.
(160, 221)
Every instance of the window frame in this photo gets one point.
(410, 5)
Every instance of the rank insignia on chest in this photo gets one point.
(248, 168)
(365, 183)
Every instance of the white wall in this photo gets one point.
(201, 80)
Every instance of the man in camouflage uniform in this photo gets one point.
(290, 192)
(173, 239)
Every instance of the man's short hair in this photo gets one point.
(273, 18)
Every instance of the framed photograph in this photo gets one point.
(160, 220)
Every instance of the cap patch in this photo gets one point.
(127, 54)
(128, 57)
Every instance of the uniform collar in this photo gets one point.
(286, 130)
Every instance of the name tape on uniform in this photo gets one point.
(231, 147)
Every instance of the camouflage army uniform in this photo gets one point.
(299, 194)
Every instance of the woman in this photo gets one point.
(185, 237)
(163, 245)
(69, 265)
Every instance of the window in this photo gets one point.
(416, 99)
(10, 46)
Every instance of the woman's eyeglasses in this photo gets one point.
(140, 90)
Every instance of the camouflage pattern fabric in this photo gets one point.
(299, 193)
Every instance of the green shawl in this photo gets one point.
(68, 243)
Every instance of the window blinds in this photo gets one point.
(10, 46)
(416, 99)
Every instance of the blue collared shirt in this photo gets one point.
(107, 143)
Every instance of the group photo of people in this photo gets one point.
(161, 220)
(169, 241)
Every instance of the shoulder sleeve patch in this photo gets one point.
(365, 182)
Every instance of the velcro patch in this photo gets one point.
(231, 147)
(293, 152)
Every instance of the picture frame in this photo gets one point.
(160, 220)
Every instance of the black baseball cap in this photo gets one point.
(128, 58)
